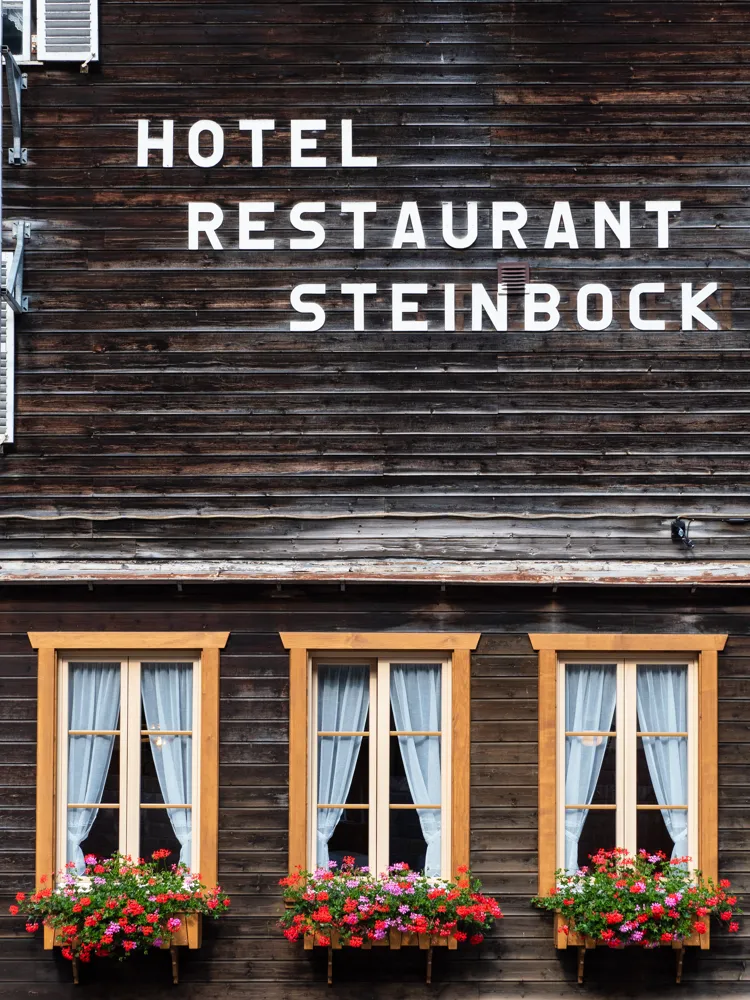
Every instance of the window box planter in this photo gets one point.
(575, 940)
(646, 901)
(188, 935)
(394, 941)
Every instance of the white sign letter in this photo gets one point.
(358, 293)
(646, 288)
(532, 308)
(194, 143)
(197, 225)
(300, 125)
(348, 159)
(399, 307)
(409, 215)
(481, 303)
(690, 303)
(582, 307)
(315, 310)
(165, 144)
(257, 126)
(307, 225)
(603, 216)
(358, 209)
(561, 215)
(513, 226)
(662, 209)
(247, 225)
(460, 242)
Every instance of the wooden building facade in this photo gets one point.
(189, 471)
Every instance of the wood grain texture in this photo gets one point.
(383, 641)
(46, 774)
(128, 640)
(547, 744)
(461, 756)
(626, 642)
(708, 762)
(298, 701)
(209, 767)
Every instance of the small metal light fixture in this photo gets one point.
(514, 275)
(681, 533)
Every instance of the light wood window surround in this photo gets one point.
(51, 646)
(305, 646)
(551, 648)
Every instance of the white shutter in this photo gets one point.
(68, 30)
(6, 362)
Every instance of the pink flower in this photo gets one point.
(173, 923)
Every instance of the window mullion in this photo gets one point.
(382, 738)
(131, 735)
(627, 737)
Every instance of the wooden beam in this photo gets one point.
(381, 641)
(209, 767)
(547, 801)
(708, 763)
(461, 756)
(46, 773)
(611, 642)
(128, 640)
(298, 698)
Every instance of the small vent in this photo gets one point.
(515, 275)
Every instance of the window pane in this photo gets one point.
(103, 838)
(13, 25)
(350, 826)
(93, 706)
(415, 769)
(662, 773)
(157, 832)
(597, 828)
(343, 762)
(167, 760)
(652, 832)
(590, 702)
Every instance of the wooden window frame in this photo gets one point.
(50, 646)
(550, 646)
(304, 646)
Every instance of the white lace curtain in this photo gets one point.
(590, 696)
(415, 700)
(662, 707)
(167, 692)
(93, 703)
(343, 700)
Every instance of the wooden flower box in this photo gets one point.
(575, 940)
(395, 940)
(188, 935)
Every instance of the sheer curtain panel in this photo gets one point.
(167, 692)
(415, 700)
(590, 696)
(662, 707)
(93, 703)
(343, 701)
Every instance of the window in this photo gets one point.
(628, 747)
(627, 775)
(127, 746)
(61, 30)
(379, 749)
(379, 790)
(17, 28)
(128, 757)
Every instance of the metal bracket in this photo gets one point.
(17, 81)
(12, 290)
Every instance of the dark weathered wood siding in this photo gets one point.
(245, 956)
(157, 381)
